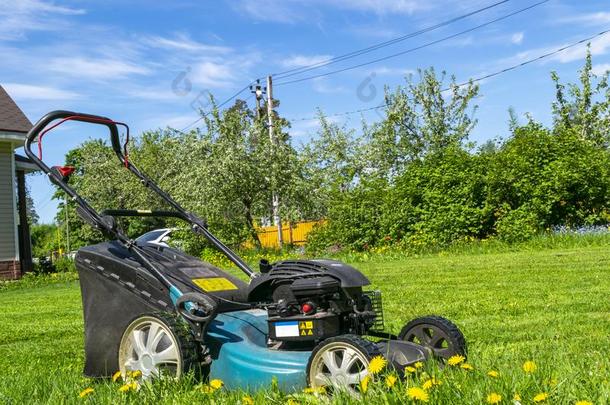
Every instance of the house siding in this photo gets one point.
(8, 247)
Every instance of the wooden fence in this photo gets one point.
(293, 233)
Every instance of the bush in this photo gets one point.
(65, 265)
(518, 225)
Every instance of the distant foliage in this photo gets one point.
(411, 180)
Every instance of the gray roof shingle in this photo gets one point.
(12, 119)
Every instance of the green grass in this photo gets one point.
(551, 306)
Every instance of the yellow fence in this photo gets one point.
(294, 233)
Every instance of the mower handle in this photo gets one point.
(199, 225)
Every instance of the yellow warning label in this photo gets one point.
(214, 284)
(306, 328)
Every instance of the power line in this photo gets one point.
(478, 79)
(203, 115)
(415, 48)
(353, 54)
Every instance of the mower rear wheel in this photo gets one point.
(438, 334)
(157, 345)
(341, 363)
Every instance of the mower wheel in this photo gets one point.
(157, 344)
(341, 363)
(440, 335)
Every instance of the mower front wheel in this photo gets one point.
(436, 333)
(341, 363)
(157, 344)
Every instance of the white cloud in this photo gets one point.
(601, 69)
(517, 38)
(183, 42)
(291, 11)
(303, 60)
(32, 92)
(599, 46)
(212, 74)
(19, 17)
(97, 69)
(598, 18)
(388, 71)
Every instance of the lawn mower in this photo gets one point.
(155, 309)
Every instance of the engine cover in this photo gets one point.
(287, 271)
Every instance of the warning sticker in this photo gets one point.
(214, 284)
(306, 328)
(286, 329)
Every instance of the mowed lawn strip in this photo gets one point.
(549, 306)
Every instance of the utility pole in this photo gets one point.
(275, 197)
(67, 226)
(257, 90)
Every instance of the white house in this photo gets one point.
(15, 249)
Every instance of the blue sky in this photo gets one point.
(149, 63)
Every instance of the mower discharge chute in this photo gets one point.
(158, 310)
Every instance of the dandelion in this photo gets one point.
(494, 398)
(493, 373)
(116, 376)
(529, 366)
(390, 380)
(247, 400)
(418, 365)
(583, 403)
(311, 390)
(133, 386)
(455, 360)
(85, 392)
(364, 384)
(410, 369)
(543, 396)
(418, 394)
(136, 374)
(377, 364)
(517, 397)
(466, 367)
(216, 384)
(432, 382)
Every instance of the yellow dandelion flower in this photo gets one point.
(418, 394)
(493, 373)
(128, 387)
(377, 364)
(529, 366)
(494, 398)
(116, 376)
(543, 396)
(310, 390)
(136, 374)
(432, 382)
(467, 367)
(216, 384)
(455, 360)
(85, 392)
(206, 389)
(247, 400)
(390, 381)
(364, 384)
(583, 403)
(410, 369)
(517, 397)
(418, 365)
(292, 402)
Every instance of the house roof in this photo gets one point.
(25, 164)
(12, 119)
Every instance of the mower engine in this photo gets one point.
(311, 300)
